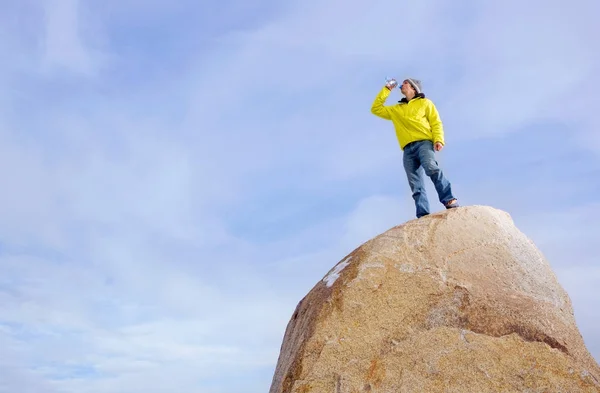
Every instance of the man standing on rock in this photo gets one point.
(420, 133)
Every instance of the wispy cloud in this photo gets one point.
(64, 43)
(522, 66)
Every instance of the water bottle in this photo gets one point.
(391, 82)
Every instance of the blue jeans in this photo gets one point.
(418, 157)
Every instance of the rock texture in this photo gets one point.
(457, 301)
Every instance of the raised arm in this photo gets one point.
(378, 108)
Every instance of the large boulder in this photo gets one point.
(457, 301)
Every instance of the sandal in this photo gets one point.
(452, 204)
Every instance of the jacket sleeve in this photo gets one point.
(378, 108)
(437, 128)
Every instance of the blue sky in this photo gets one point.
(178, 175)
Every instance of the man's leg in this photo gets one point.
(414, 173)
(430, 165)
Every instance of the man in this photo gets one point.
(419, 131)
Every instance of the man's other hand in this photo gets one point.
(438, 146)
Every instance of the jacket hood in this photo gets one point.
(420, 95)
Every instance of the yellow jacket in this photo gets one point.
(415, 120)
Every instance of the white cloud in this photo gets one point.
(375, 215)
(67, 43)
(522, 64)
